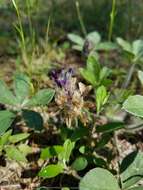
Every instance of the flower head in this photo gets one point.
(69, 96)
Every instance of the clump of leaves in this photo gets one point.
(14, 147)
(131, 172)
(133, 50)
(21, 101)
(91, 43)
(63, 154)
(98, 77)
(94, 73)
(65, 164)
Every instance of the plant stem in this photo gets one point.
(117, 149)
(80, 19)
(29, 17)
(47, 33)
(30, 23)
(112, 19)
(73, 173)
(20, 30)
(129, 76)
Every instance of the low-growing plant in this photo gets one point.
(72, 142)
(78, 135)
(98, 77)
(21, 102)
(134, 50)
(63, 154)
(91, 43)
(94, 73)
(39, 53)
(131, 172)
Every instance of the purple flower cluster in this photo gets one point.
(62, 77)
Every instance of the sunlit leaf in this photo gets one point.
(18, 137)
(51, 171)
(49, 152)
(76, 39)
(134, 105)
(99, 179)
(13, 153)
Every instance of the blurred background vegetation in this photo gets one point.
(64, 18)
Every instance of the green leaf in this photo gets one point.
(15, 5)
(77, 47)
(138, 49)
(82, 149)
(98, 179)
(41, 98)
(94, 37)
(4, 139)
(109, 127)
(6, 119)
(79, 164)
(134, 105)
(14, 154)
(68, 147)
(126, 46)
(93, 66)
(51, 171)
(140, 76)
(104, 73)
(6, 96)
(101, 97)
(33, 119)
(131, 169)
(106, 46)
(92, 71)
(99, 161)
(79, 133)
(52, 151)
(65, 188)
(76, 39)
(104, 139)
(22, 87)
(18, 137)
(135, 50)
(88, 76)
(25, 149)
